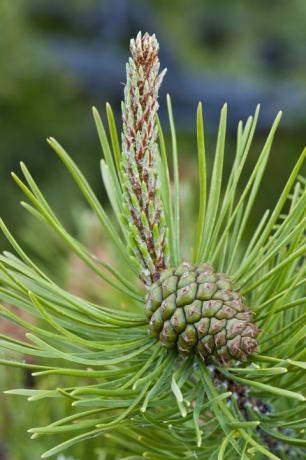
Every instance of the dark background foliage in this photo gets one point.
(58, 58)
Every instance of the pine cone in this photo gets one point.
(194, 309)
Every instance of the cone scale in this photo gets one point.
(194, 309)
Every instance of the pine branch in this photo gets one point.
(144, 399)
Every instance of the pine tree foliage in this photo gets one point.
(142, 399)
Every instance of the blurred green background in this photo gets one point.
(58, 58)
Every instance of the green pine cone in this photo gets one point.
(194, 309)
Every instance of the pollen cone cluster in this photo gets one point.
(195, 310)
